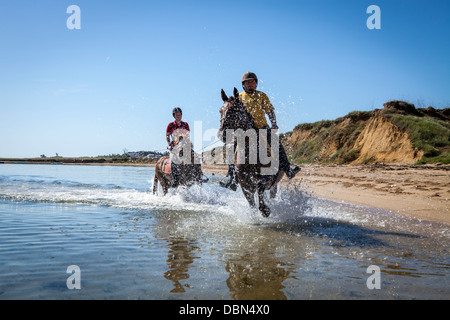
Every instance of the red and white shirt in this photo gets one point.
(171, 127)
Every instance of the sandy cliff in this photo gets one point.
(379, 136)
(383, 141)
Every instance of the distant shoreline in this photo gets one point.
(78, 161)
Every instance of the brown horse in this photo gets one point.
(249, 160)
(190, 173)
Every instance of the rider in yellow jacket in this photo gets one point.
(258, 105)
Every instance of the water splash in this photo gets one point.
(289, 205)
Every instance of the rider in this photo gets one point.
(171, 127)
(258, 105)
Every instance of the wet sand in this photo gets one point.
(421, 192)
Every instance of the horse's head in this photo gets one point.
(233, 115)
(181, 137)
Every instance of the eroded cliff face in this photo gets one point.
(382, 141)
(360, 137)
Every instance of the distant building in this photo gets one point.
(145, 154)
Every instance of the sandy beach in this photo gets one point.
(421, 192)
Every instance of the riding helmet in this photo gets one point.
(248, 76)
(175, 110)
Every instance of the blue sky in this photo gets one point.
(112, 84)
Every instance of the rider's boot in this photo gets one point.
(291, 172)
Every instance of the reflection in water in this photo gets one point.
(180, 256)
(251, 278)
(181, 249)
(254, 265)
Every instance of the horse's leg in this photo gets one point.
(274, 188)
(164, 183)
(249, 196)
(159, 173)
(165, 189)
(273, 191)
(168, 183)
(265, 210)
(155, 183)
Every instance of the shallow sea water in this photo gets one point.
(202, 243)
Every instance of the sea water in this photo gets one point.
(203, 242)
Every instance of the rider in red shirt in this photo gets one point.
(171, 127)
(177, 124)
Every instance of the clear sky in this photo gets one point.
(112, 84)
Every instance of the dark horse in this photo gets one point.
(190, 172)
(249, 172)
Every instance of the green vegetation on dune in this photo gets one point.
(428, 134)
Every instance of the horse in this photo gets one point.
(249, 173)
(190, 171)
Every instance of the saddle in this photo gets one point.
(167, 166)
